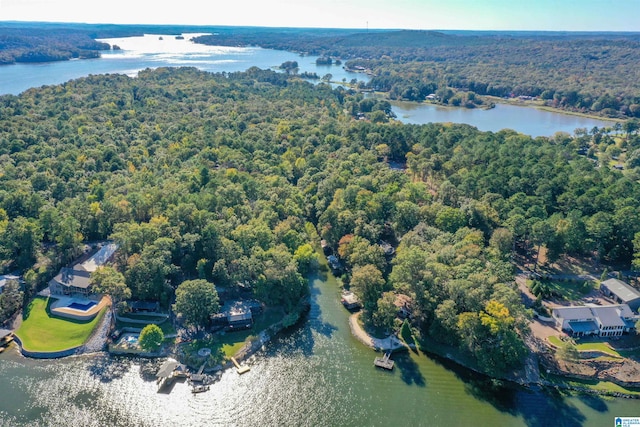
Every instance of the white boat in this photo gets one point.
(199, 388)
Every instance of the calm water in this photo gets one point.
(316, 375)
(150, 52)
(529, 121)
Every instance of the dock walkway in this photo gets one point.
(241, 369)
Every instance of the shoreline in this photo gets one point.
(376, 344)
(391, 343)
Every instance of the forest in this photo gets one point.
(233, 178)
(592, 73)
(585, 72)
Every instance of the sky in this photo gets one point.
(552, 15)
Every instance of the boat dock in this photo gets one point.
(384, 362)
(241, 369)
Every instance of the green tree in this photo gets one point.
(21, 240)
(386, 311)
(368, 284)
(108, 280)
(568, 351)
(151, 337)
(636, 251)
(306, 258)
(502, 241)
(196, 301)
(10, 300)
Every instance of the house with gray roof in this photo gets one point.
(77, 279)
(605, 321)
(621, 292)
(70, 281)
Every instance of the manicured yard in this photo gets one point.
(588, 346)
(596, 385)
(41, 331)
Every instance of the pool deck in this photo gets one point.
(60, 308)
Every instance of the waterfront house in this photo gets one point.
(76, 279)
(70, 281)
(350, 300)
(404, 305)
(236, 315)
(605, 321)
(621, 292)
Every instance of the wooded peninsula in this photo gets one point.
(233, 178)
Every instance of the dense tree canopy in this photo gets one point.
(223, 177)
(196, 302)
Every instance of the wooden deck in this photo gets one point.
(241, 369)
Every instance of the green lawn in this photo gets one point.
(571, 291)
(588, 346)
(594, 384)
(41, 331)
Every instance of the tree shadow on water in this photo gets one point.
(594, 402)
(107, 368)
(409, 370)
(538, 408)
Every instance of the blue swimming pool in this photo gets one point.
(82, 307)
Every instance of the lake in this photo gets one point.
(317, 374)
(150, 51)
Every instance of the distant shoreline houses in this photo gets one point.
(76, 280)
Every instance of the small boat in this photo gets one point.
(199, 388)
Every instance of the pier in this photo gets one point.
(384, 362)
(241, 369)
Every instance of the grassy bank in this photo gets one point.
(592, 385)
(41, 331)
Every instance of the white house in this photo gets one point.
(605, 321)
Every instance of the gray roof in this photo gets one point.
(609, 316)
(4, 333)
(167, 368)
(573, 313)
(622, 290)
(98, 259)
(70, 277)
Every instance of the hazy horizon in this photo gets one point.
(453, 15)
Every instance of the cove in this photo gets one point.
(316, 374)
(527, 120)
